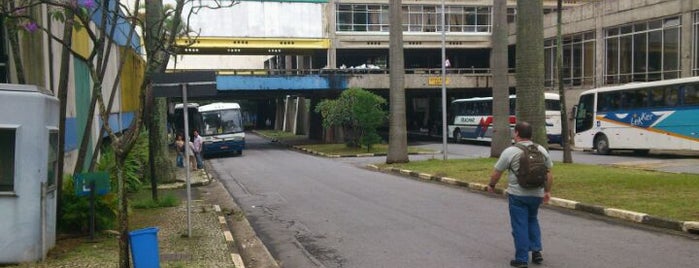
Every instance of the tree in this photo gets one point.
(498, 64)
(565, 127)
(358, 112)
(530, 67)
(397, 136)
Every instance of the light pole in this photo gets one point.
(444, 87)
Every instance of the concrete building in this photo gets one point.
(28, 165)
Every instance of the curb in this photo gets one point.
(235, 257)
(690, 227)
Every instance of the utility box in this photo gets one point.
(29, 119)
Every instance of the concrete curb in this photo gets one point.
(690, 227)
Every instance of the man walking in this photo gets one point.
(523, 202)
(197, 149)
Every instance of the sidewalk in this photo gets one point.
(221, 236)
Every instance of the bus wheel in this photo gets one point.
(457, 136)
(602, 145)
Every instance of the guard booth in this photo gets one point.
(28, 164)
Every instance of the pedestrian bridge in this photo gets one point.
(257, 81)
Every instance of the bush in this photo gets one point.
(75, 210)
(358, 112)
(135, 164)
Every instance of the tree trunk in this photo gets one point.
(397, 138)
(62, 94)
(565, 131)
(123, 216)
(530, 68)
(501, 95)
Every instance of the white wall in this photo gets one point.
(259, 19)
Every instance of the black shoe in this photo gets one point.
(518, 264)
(536, 257)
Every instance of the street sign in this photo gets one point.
(199, 84)
(82, 183)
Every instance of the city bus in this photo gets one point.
(472, 118)
(222, 128)
(176, 120)
(639, 116)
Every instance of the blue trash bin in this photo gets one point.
(144, 248)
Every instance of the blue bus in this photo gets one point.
(222, 128)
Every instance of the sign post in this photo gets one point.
(92, 184)
(184, 84)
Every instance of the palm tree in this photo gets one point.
(498, 65)
(565, 127)
(530, 67)
(397, 136)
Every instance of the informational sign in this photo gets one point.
(436, 81)
(82, 183)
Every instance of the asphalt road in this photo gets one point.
(318, 212)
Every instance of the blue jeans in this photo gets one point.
(525, 225)
(200, 162)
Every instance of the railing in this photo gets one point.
(429, 71)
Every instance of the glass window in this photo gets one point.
(671, 96)
(584, 113)
(7, 159)
(612, 60)
(657, 97)
(691, 95)
(53, 158)
(671, 53)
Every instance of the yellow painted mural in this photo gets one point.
(132, 74)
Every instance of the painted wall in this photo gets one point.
(260, 19)
(27, 228)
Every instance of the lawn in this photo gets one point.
(668, 195)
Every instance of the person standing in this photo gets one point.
(523, 202)
(197, 149)
(179, 147)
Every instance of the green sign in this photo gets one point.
(82, 183)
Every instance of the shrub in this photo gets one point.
(75, 210)
(358, 112)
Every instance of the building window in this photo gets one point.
(578, 60)
(3, 52)
(415, 18)
(53, 158)
(695, 66)
(7, 159)
(645, 51)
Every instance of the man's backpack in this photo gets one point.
(532, 167)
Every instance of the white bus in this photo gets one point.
(472, 118)
(222, 128)
(639, 116)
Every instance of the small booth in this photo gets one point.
(29, 119)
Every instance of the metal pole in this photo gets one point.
(444, 87)
(187, 162)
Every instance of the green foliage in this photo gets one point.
(134, 167)
(169, 200)
(358, 112)
(75, 210)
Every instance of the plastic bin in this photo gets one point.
(144, 248)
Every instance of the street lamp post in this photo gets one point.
(444, 88)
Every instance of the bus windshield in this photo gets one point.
(222, 122)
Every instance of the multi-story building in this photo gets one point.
(604, 43)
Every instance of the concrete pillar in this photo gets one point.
(600, 49)
(301, 126)
(290, 114)
(279, 115)
(687, 38)
(330, 22)
(315, 128)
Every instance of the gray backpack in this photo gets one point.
(532, 167)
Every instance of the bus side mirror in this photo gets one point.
(575, 111)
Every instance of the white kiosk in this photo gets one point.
(28, 164)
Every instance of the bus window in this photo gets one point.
(671, 96)
(657, 97)
(583, 117)
(608, 101)
(635, 99)
(691, 95)
(552, 105)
